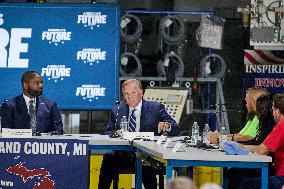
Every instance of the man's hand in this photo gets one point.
(241, 145)
(119, 132)
(214, 137)
(163, 126)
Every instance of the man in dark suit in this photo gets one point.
(149, 117)
(16, 113)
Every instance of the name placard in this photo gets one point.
(169, 143)
(179, 147)
(138, 135)
(16, 133)
(161, 139)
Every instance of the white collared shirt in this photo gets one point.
(137, 115)
(27, 100)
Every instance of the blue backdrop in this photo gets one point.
(75, 47)
(263, 69)
(44, 163)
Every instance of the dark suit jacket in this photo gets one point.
(151, 114)
(14, 114)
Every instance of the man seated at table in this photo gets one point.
(31, 110)
(274, 142)
(250, 130)
(143, 116)
(266, 125)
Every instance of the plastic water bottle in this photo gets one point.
(222, 138)
(195, 133)
(124, 124)
(205, 135)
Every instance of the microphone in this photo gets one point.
(117, 102)
(114, 134)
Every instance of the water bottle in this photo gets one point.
(222, 138)
(124, 124)
(195, 133)
(205, 135)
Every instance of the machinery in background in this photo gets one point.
(177, 98)
(267, 24)
(173, 99)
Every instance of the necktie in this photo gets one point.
(32, 113)
(132, 121)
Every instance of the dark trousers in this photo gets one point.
(274, 182)
(117, 160)
(235, 175)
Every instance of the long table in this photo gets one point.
(198, 157)
(96, 141)
(191, 157)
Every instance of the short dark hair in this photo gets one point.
(28, 75)
(278, 102)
